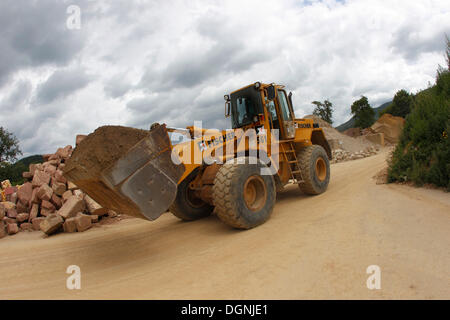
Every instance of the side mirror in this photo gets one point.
(290, 99)
(227, 109)
(271, 93)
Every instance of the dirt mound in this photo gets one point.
(97, 152)
(103, 147)
(391, 126)
(353, 132)
(345, 147)
(322, 123)
(338, 140)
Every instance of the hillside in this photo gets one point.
(350, 123)
(31, 159)
(13, 172)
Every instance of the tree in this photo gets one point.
(363, 113)
(324, 110)
(9, 146)
(401, 105)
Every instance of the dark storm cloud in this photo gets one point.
(146, 110)
(179, 107)
(18, 96)
(117, 86)
(16, 103)
(410, 42)
(194, 68)
(34, 33)
(61, 84)
(231, 52)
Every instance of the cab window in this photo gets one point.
(271, 107)
(284, 106)
(244, 111)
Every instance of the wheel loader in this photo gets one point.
(195, 172)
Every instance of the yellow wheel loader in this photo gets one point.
(194, 172)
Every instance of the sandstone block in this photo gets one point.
(45, 192)
(26, 226)
(34, 212)
(71, 207)
(12, 228)
(22, 217)
(59, 188)
(40, 178)
(83, 222)
(36, 222)
(51, 224)
(70, 225)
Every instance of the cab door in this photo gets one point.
(285, 116)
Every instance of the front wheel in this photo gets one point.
(187, 206)
(315, 169)
(243, 197)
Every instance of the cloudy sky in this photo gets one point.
(138, 62)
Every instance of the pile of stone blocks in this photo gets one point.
(47, 201)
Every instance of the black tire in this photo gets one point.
(232, 207)
(187, 207)
(315, 181)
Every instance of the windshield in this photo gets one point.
(244, 112)
(245, 105)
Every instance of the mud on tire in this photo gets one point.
(186, 206)
(315, 169)
(243, 197)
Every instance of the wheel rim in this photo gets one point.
(321, 169)
(255, 193)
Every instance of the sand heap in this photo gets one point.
(343, 146)
(386, 130)
(322, 123)
(390, 126)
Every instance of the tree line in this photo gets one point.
(363, 112)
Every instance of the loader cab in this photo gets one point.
(259, 105)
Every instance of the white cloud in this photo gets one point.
(173, 61)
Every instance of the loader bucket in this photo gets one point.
(127, 170)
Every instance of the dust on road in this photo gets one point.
(312, 248)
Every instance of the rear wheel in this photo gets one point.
(243, 197)
(315, 169)
(187, 206)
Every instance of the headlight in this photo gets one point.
(226, 97)
(257, 85)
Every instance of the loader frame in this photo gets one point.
(306, 133)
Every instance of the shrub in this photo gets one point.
(423, 152)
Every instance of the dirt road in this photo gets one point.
(312, 247)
